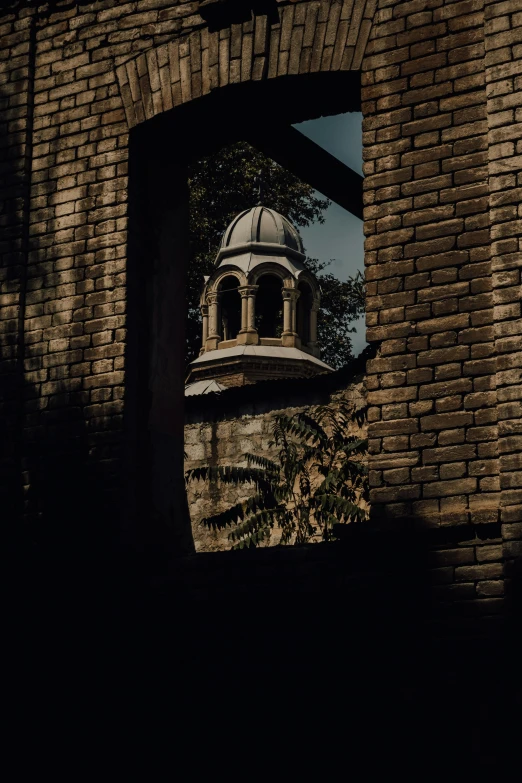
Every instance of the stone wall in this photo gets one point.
(221, 428)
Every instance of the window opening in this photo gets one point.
(230, 302)
(263, 316)
(269, 307)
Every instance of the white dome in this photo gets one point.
(263, 228)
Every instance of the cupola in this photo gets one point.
(259, 307)
(260, 227)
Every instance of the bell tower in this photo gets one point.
(259, 307)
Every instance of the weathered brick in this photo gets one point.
(449, 488)
(453, 470)
(397, 427)
(446, 557)
(479, 572)
(394, 493)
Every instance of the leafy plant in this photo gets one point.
(317, 480)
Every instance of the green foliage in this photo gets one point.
(317, 480)
(341, 303)
(221, 186)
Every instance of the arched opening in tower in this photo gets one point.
(230, 302)
(304, 309)
(269, 306)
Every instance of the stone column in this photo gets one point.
(243, 292)
(294, 311)
(251, 319)
(214, 337)
(287, 311)
(204, 315)
(248, 333)
(289, 338)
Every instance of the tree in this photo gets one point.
(341, 303)
(317, 480)
(222, 185)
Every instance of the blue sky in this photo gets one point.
(340, 238)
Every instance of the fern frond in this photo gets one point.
(311, 425)
(304, 485)
(341, 508)
(356, 445)
(260, 519)
(229, 474)
(231, 515)
(312, 453)
(253, 539)
(298, 427)
(262, 462)
(353, 471)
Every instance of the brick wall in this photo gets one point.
(428, 260)
(442, 163)
(16, 88)
(69, 90)
(432, 256)
(65, 141)
(503, 60)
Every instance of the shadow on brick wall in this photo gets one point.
(330, 650)
(68, 533)
(341, 652)
(13, 191)
(327, 657)
(68, 497)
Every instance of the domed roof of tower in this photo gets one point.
(261, 228)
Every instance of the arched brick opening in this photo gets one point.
(312, 37)
(203, 90)
(158, 203)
